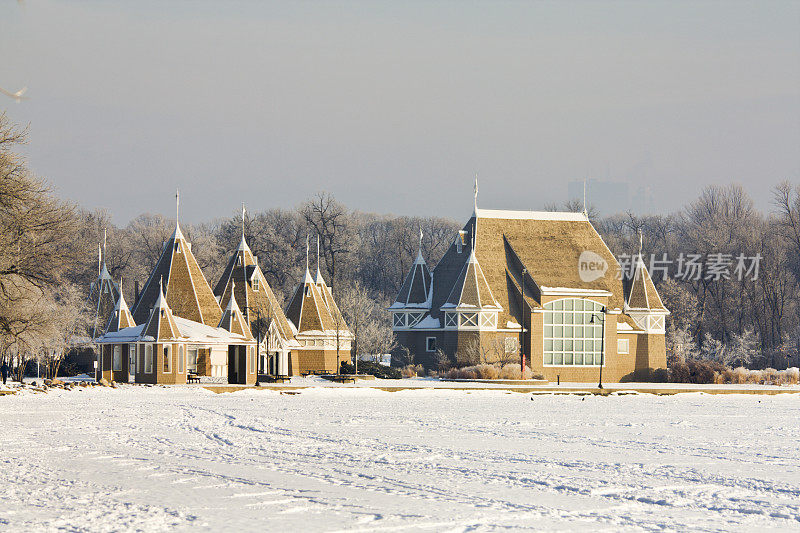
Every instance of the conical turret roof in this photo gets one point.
(121, 318)
(416, 289)
(184, 282)
(233, 320)
(161, 324)
(243, 277)
(471, 290)
(641, 293)
(307, 309)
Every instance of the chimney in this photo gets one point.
(135, 291)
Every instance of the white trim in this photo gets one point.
(427, 349)
(569, 291)
(531, 215)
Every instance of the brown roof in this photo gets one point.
(239, 274)
(416, 287)
(307, 309)
(548, 245)
(640, 289)
(186, 286)
(233, 320)
(330, 303)
(161, 324)
(121, 318)
(471, 288)
(103, 296)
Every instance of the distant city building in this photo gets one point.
(612, 197)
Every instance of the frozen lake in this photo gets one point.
(331, 459)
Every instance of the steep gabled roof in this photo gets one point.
(416, 289)
(241, 274)
(471, 290)
(640, 290)
(161, 324)
(233, 320)
(121, 318)
(330, 303)
(307, 309)
(547, 244)
(103, 296)
(186, 286)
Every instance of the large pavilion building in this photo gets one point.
(529, 284)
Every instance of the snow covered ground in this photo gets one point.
(359, 459)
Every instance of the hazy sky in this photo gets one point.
(394, 106)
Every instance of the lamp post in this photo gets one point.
(522, 325)
(602, 343)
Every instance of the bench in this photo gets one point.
(267, 378)
(317, 373)
(192, 377)
(340, 378)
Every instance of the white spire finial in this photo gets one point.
(177, 206)
(420, 239)
(641, 240)
(584, 198)
(104, 245)
(476, 193)
(243, 212)
(99, 259)
(306, 252)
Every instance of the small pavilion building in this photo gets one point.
(323, 338)
(267, 322)
(176, 329)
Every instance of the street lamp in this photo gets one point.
(602, 320)
(522, 325)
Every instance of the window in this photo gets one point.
(239, 261)
(131, 359)
(255, 283)
(148, 359)
(461, 240)
(167, 358)
(177, 247)
(414, 319)
(192, 364)
(451, 320)
(430, 344)
(399, 320)
(181, 358)
(489, 320)
(117, 358)
(573, 331)
(623, 346)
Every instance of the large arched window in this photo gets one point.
(571, 338)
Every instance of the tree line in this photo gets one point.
(48, 259)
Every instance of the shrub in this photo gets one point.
(493, 371)
(695, 371)
(411, 371)
(373, 369)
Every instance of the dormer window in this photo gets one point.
(255, 283)
(461, 240)
(308, 291)
(177, 247)
(239, 261)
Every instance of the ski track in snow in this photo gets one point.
(181, 458)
